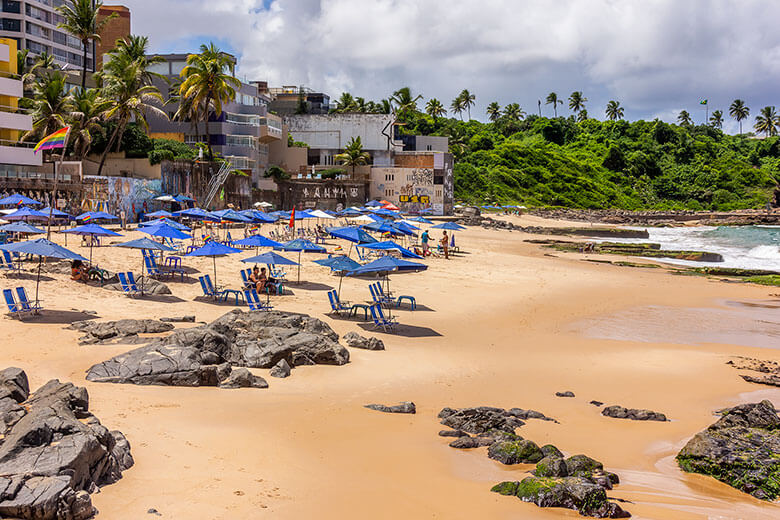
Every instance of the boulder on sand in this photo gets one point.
(281, 369)
(54, 452)
(355, 340)
(741, 449)
(404, 407)
(620, 412)
(103, 331)
(202, 356)
(243, 378)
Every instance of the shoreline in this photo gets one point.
(503, 312)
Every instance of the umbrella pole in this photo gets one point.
(299, 267)
(215, 272)
(341, 279)
(38, 280)
(142, 275)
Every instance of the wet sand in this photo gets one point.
(501, 326)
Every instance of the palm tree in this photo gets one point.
(457, 106)
(684, 118)
(404, 101)
(385, 107)
(767, 121)
(131, 97)
(552, 98)
(81, 20)
(716, 119)
(345, 103)
(48, 104)
(87, 108)
(360, 105)
(494, 111)
(435, 109)
(353, 155)
(457, 140)
(577, 101)
(467, 99)
(739, 111)
(614, 111)
(513, 112)
(209, 81)
(582, 115)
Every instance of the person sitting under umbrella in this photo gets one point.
(259, 278)
(78, 272)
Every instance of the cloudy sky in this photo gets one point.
(654, 56)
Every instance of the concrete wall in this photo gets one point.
(418, 181)
(116, 29)
(432, 143)
(290, 159)
(334, 131)
(332, 195)
(117, 166)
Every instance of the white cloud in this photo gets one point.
(650, 55)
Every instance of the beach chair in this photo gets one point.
(14, 308)
(453, 247)
(245, 278)
(208, 287)
(128, 289)
(25, 302)
(380, 320)
(254, 303)
(397, 301)
(279, 274)
(8, 263)
(154, 268)
(337, 306)
(377, 297)
(228, 239)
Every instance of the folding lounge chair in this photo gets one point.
(336, 305)
(212, 290)
(151, 265)
(25, 302)
(379, 318)
(14, 308)
(125, 283)
(412, 301)
(8, 262)
(254, 303)
(154, 268)
(245, 278)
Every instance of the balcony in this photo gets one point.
(14, 154)
(13, 118)
(11, 85)
(269, 134)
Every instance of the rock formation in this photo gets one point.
(619, 412)
(355, 340)
(404, 407)
(107, 331)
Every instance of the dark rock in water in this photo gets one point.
(564, 394)
(471, 442)
(596, 403)
(481, 419)
(281, 369)
(452, 433)
(14, 384)
(767, 379)
(741, 449)
(55, 453)
(619, 412)
(577, 493)
(404, 407)
(101, 332)
(515, 452)
(530, 414)
(355, 340)
(202, 356)
(179, 319)
(243, 378)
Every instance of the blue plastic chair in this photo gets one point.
(336, 305)
(8, 262)
(14, 308)
(245, 278)
(129, 289)
(25, 302)
(379, 318)
(254, 303)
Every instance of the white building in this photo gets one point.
(14, 122)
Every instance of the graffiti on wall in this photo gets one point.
(421, 176)
(128, 194)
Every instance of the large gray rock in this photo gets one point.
(243, 378)
(634, 414)
(741, 449)
(14, 384)
(481, 419)
(404, 407)
(102, 332)
(281, 369)
(355, 340)
(202, 356)
(55, 453)
(150, 285)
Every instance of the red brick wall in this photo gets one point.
(114, 30)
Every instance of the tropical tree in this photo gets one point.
(684, 118)
(513, 112)
(716, 119)
(577, 101)
(87, 108)
(457, 106)
(48, 104)
(353, 154)
(385, 106)
(467, 100)
(552, 98)
(80, 18)
(582, 115)
(345, 103)
(767, 121)
(739, 111)
(209, 81)
(361, 105)
(457, 140)
(435, 109)
(614, 111)
(404, 101)
(494, 111)
(131, 97)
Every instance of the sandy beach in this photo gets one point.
(500, 325)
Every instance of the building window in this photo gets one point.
(36, 47)
(428, 148)
(60, 37)
(38, 14)
(8, 24)
(12, 6)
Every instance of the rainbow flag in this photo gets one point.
(206, 238)
(338, 248)
(87, 218)
(55, 140)
(386, 234)
(254, 228)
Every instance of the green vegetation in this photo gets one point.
(353, 154)
(80, 18)
(769, 279)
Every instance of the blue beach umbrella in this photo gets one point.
(21, 227)
(26, 214)
(302, 246)
(144, 243)
(269, 258)
(166, 221)
(19, 200)
(96, 215)
(389, 245)
(351, 233)
(374, 204)
(42, 248)
(159, 214)
(91, 230)
(339, 264)
(257, 241)
(231, 215)
(421, 220)
(163, 230)
(452, 226)
(197, 214)
(55, 213)
(214, 249)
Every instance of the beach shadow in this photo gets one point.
(28, 276)
(310, 286)
(406, 331)
(230, 302)
(162, 298)
(421, 308)
(59, 317)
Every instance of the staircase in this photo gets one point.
(217, 182)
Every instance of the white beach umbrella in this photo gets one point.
(362, 218)
(321, 214)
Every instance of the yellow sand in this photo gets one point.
(497, 331)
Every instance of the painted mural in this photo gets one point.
(133, 195)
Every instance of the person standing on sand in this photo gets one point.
(445, 244)
(424, 238)
(123, 217)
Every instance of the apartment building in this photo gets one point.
(33, 24)
(241, 133)
(417, 180)
(286, 100)
(14, 122)
(116, 29)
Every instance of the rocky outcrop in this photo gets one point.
(203, 356)
(658, 217)
(595, 232)
(404, 407)
(150, 286)
(53, 452)
(355, 340)
(619, 412)
(483, 419)
(242, 378)
(768, 371)
(109, 331)
(741, 449)
(179, 319)
(281, 369)
(515, 451)
(567, 393)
